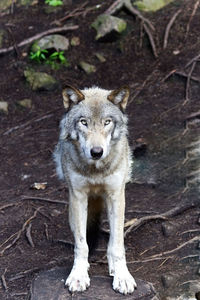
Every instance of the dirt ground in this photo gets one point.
(164, 95)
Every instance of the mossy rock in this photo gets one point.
(39, 81)
(106, 25)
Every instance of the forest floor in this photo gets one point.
(163, 116)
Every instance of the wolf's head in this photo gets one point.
(95, 119)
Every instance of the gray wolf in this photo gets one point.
(94, 157)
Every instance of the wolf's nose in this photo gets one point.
(96, 152)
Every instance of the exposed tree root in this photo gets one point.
(17, 234)
(169, 25)
(148, 26)
(43, 199)
(3, 280)
(29, 236)
(196, 5)
(136, 223)
(81, 10)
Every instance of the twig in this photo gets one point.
(169, 25)
(46, 231)
(196, 5)
(136, 223)
(192, 60)
(136, 12)
(160, 255)
(148, 26)
(151, 40)
(196, 238)
(43, 199)
(190, 231)
(23, 273)
(28, 235)
(187, 96)
(7, 205)
(46, 116)
(38, 36)
(117, 5)
(74, 13)
(3, 279)
(18, 233)
(194, 78)
(142, 86)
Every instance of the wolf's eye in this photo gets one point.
(107, 122)
(83, 122)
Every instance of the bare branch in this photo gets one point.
(169, 25)
(38, 36)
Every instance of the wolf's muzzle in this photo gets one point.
(96, 152)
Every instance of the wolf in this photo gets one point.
(94, 158)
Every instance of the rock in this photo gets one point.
(168, 229)
(108, 27)
(39, 186)
(28, 2)
(151, 5)
(25, 103)
(53, 41)
(5, 4)
(40, 81)
(88, 68)
(4, 106)
(75, 41)
(168, 280)
(49, 285)
(100, 57)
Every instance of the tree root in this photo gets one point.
(169, 25)
(148, 26)
(43, 199)
(136, 223)
(17, 234)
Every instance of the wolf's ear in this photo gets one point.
(71, 96)
(119, 97)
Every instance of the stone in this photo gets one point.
(88, 68)
(49, 285)
(4, 106)
(40, 81)
(53, 41)
(75, 41)
(25, 103)
(28, 2)
(151, 5)
(5, 4)
(168, 280)
(106, 26)
(100, 57)
(168, 229)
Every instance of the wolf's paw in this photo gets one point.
(78, 281)
(124, 283)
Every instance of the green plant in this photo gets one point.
(54, 59)
(39, 55)
(57, 58)
(54, 2)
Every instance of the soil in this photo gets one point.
(159, 134)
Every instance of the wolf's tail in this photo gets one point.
(95, 207)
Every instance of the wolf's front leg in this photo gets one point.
(78, 279)
(123, 282)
